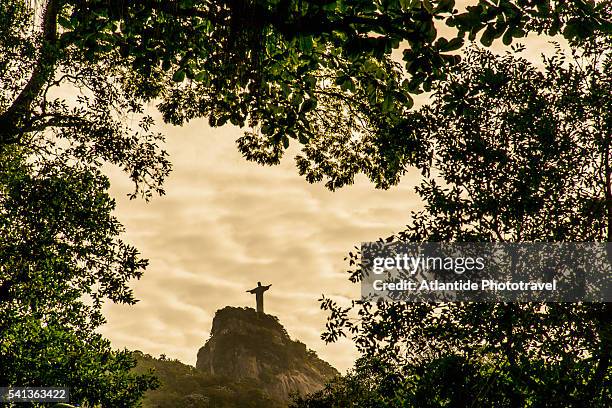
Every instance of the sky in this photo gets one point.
(225, 224)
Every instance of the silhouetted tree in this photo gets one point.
(60, 253)
(518, 154)
(319, 72)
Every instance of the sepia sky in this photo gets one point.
(225, 224)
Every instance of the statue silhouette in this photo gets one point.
(258, 292)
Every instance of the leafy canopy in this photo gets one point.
(61, 256)
(518, 154)
(319, 72)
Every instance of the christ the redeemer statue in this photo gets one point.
(258, 292)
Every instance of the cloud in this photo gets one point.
(224, 225)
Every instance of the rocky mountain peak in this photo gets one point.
(245, 345)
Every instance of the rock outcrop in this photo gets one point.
(245, 345)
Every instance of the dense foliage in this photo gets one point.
(319, 72)
(184, 386)
(518, 154)
(59, 259)
(61, 256)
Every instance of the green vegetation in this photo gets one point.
(521, 154)
(183, 386)
(518, 154)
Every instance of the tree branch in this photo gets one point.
(17, 114)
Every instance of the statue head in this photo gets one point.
(258, 283)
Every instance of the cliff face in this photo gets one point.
(246, 346)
